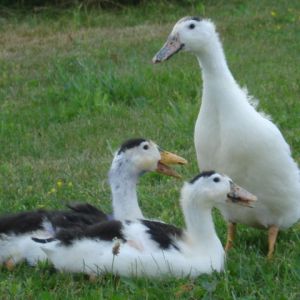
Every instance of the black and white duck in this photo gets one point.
(152, 248)
(134, 158)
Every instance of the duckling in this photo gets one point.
(151, 248)
(232, 137)
(133, 159)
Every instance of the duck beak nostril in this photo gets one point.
(241, 196)
(171, 47)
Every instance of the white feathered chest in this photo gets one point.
(233, 138)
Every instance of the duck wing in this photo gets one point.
(19, 223)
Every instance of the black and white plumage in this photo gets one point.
(232, 137)
(16, 230)
(151, 248)
(134, 158)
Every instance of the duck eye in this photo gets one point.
(217, 179)
(146, 147)
(192, 26)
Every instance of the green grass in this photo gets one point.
(74, 84)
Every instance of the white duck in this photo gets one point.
(133, 159)
(151, 248)
(232, 137)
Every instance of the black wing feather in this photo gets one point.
(22, 222)
(162, 233)
(106, 231)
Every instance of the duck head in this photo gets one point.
(189, 34)
(146, 156)
(212, 189)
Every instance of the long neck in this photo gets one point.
(123, 181)
(201, 234)
(199, 223)
(219, 86)
(212, 61)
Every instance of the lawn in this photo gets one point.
(75, 83)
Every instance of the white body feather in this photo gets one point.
(125, 171)
(232, 137)
(198, 251)
(96, 258)
(20, 248)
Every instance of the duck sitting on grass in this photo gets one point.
(151, 248)
(133, 159)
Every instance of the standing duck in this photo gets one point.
(151, 248)
(232, 137)
(133, 159)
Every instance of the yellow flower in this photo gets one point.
(59, 183)
(52, 191)
(273, 13)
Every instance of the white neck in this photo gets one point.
(199, 223)
(123, 180)
(201, 234)
(212, 61)
(218, 83)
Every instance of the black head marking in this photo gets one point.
(202, 174)
(189, 18)
(163, 234)
(130, 144)
(196, 19)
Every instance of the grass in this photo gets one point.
(74, 84)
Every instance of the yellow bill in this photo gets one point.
(169, 158)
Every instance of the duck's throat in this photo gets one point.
(200, 224)
(124, 195)
(213, 62)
